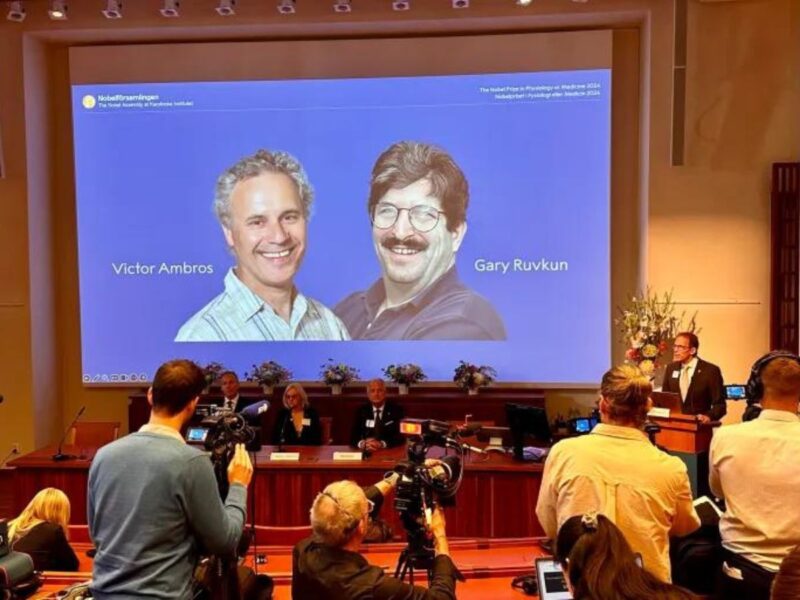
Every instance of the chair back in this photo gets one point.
(267, 535)
(93, 434)
(326, 424)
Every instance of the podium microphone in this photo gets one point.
(14, 452)
(59, 456)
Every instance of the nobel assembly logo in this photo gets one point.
(89, 101)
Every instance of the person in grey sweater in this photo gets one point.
(153, 501)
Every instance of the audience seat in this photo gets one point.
(267, 535)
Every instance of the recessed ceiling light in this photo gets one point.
(57, 10)
(113, 9)
(16, 12)
(170, 9)
(286, 7)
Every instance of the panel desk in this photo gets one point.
(442, 402)
(497, 496)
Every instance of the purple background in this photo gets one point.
(539, 179)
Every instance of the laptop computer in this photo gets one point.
(669, 400)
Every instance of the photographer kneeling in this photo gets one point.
(328, 564)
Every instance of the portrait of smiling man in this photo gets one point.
(418, 206)
(263, 204)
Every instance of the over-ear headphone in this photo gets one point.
(755, 387)
(526, 583)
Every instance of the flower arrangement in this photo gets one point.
(649, 324)
(269, 374)
(337, 373)
(212, 371)
(471, 377)
(405, 374)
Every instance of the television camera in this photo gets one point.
(219, 432)
(424, 484)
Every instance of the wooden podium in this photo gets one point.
(684, 433)
(688, 439)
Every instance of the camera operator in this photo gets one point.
(328, 564)
(153, 500)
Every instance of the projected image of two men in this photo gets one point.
(430, 219)
(417, 206)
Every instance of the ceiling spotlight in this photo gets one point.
(57, 10)
(113, 9)
(524, 2)
(286, 7)
(16, 12)
(580, 1)
(225, 8)
(170, 9)
(460, 3)
(342, 6)
(401, 5)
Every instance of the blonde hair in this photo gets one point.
(300, 390)
(50, 505)
(626, 390)
(337, 511)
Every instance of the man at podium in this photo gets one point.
(698, 382)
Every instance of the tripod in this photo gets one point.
(410, 559)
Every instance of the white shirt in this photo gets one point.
(231, 402)
(690, 366)
(754, 467)
(375, 417)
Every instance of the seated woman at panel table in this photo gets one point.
(298, 422)
(598, 563)
(41, 531)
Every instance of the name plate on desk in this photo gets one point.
(285, 456)
(662, 413)
(347, 456)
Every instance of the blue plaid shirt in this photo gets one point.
(239, 315)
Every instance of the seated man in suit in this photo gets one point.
(377, 424)
(229, 384)
(329, 565)
(698, 382)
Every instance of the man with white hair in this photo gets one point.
(329, 565)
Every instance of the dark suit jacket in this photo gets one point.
(48, 547)
(319, 571)
(706, 394)
(311, 435)
(390, 424)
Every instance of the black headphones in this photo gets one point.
(755, 387)
(526, 583)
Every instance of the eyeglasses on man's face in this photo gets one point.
(423, 218)
(370, 505)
